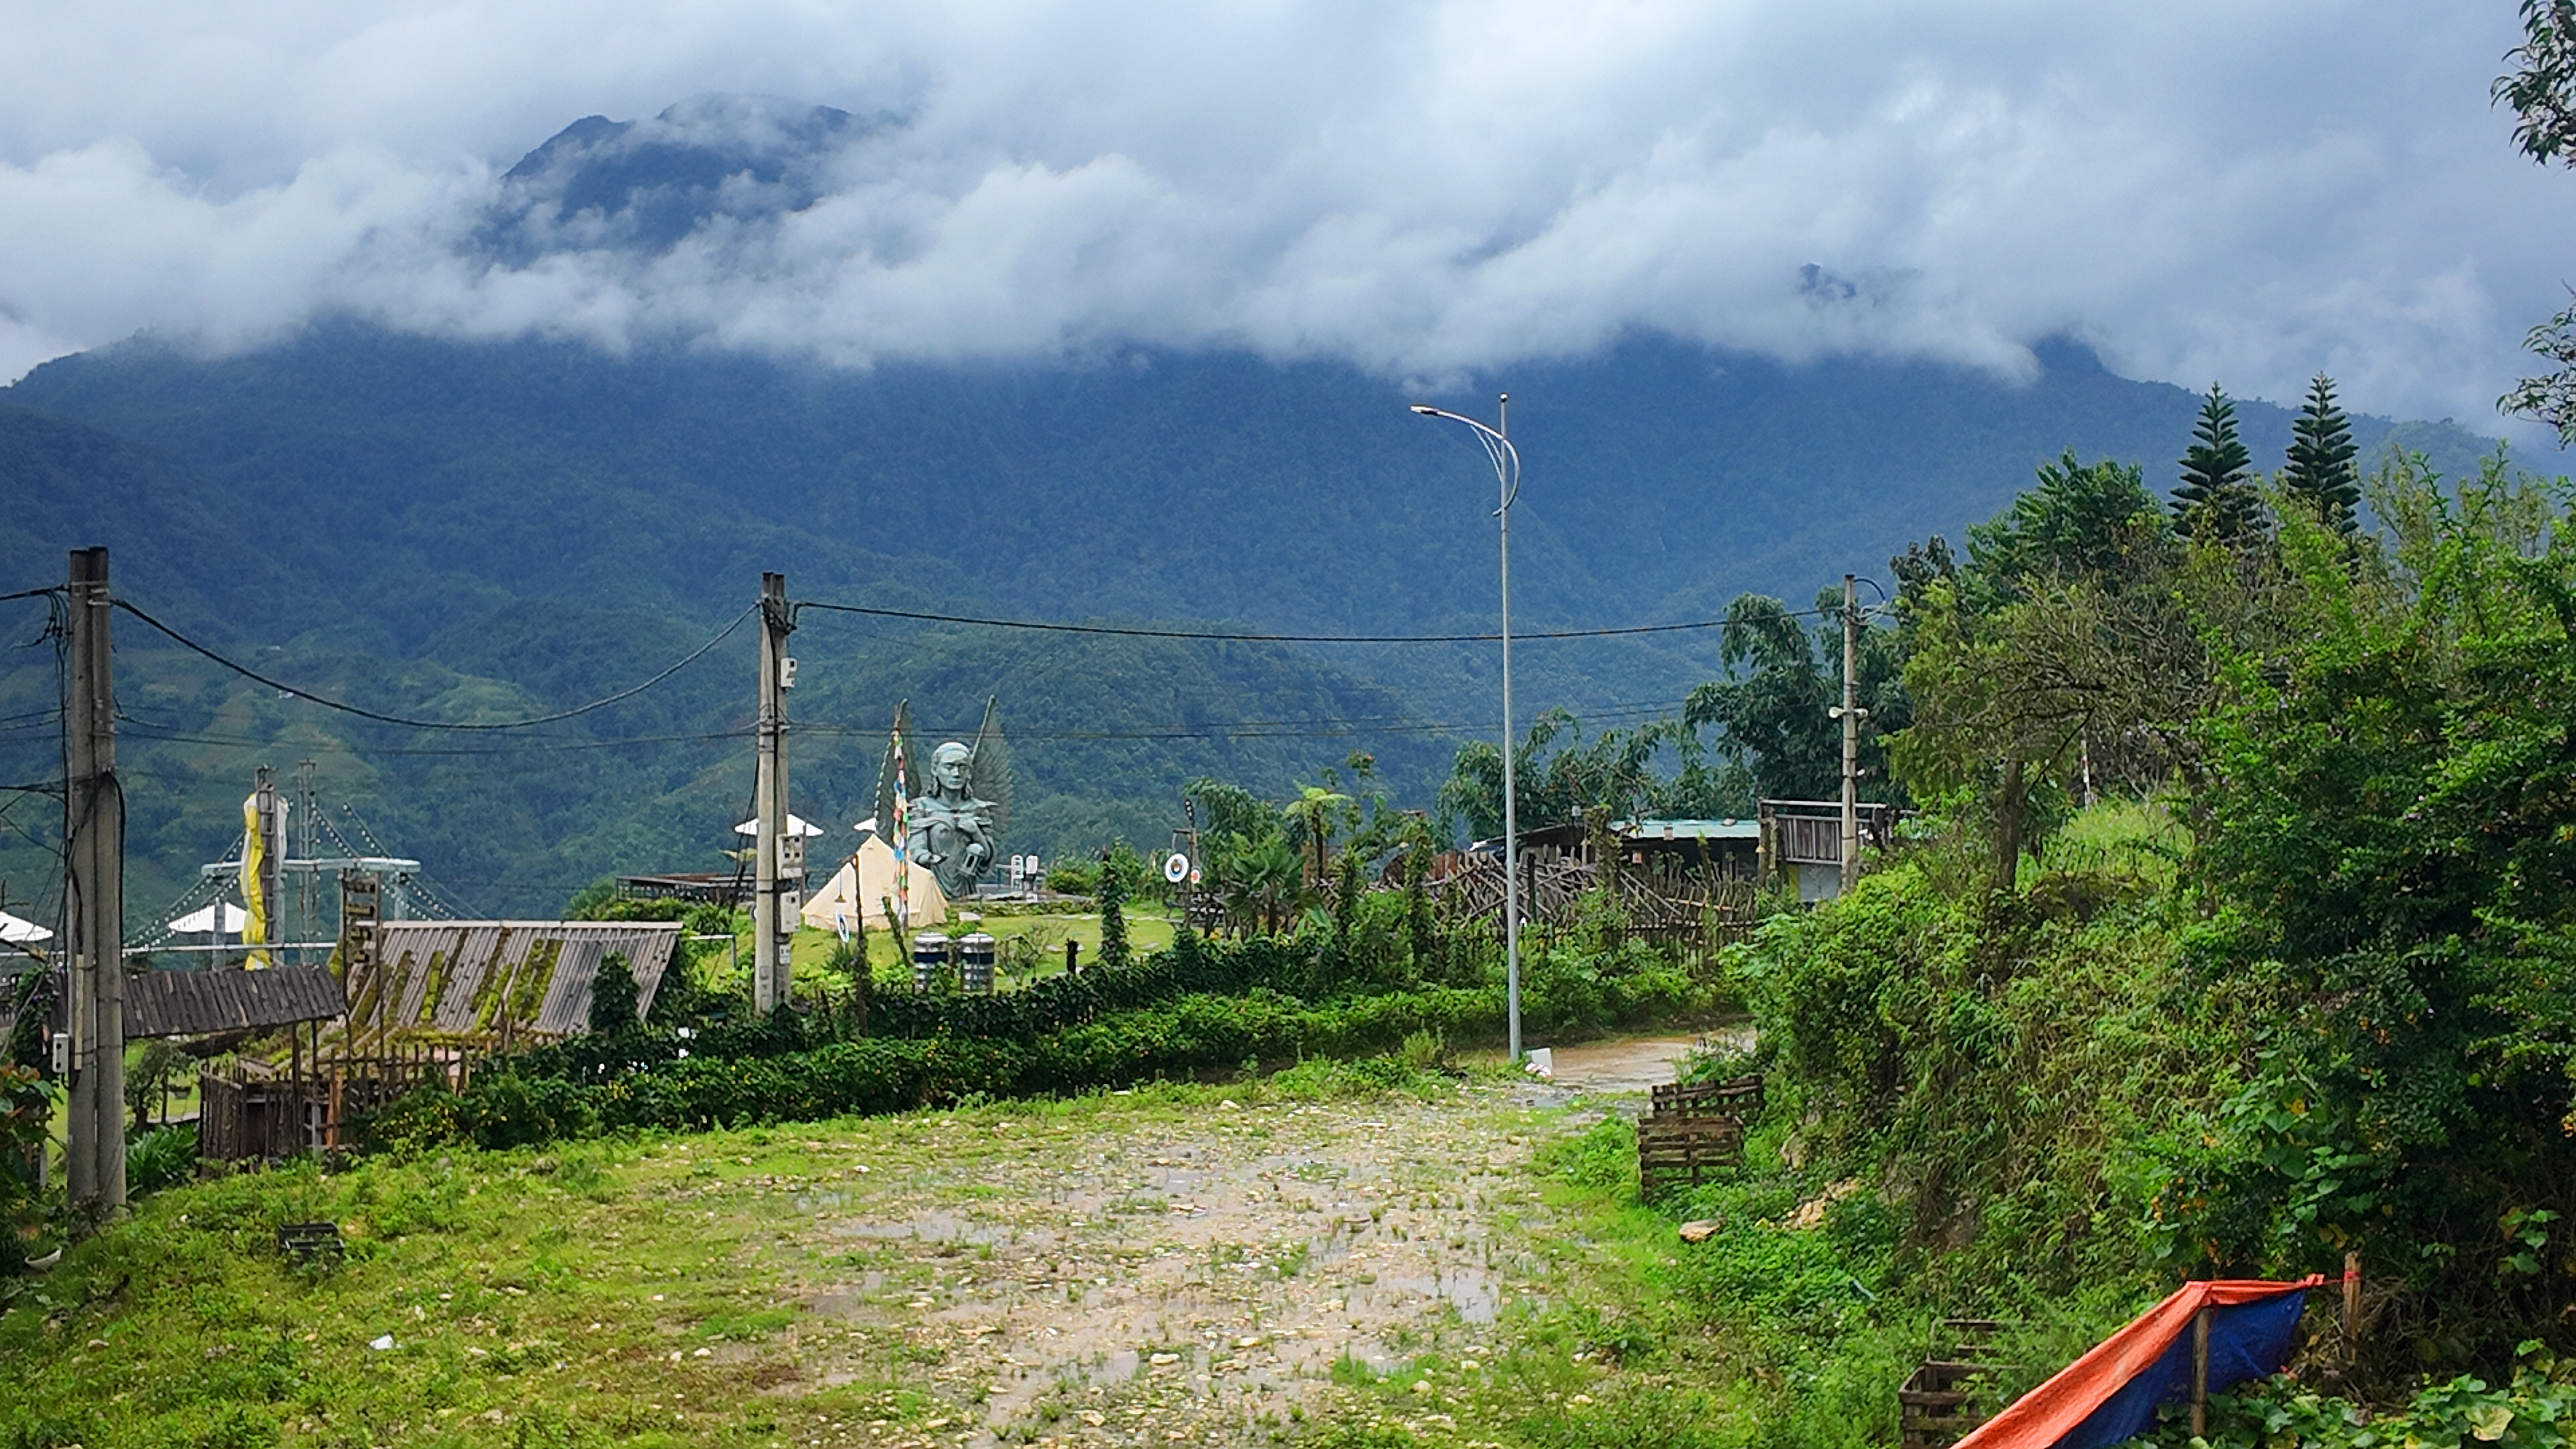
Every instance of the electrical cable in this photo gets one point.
(431, 724)
(1319, 728)
(1246, 638)
(144, 729)
(31, 593)
(27, 835)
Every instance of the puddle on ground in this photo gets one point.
(1634, 1066)
(928, 1227)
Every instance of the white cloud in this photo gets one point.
(2246, 192)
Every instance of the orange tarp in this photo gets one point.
(2048, 1414)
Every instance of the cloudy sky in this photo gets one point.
(2242, 191)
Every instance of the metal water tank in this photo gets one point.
(975, 963)
(929, 955)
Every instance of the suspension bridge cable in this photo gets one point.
(307, 695)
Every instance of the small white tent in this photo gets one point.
(18, 931)
(202, 920)
(859, 890)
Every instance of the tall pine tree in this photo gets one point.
(2217, 491)
(2322, 473)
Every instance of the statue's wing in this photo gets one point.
(885, 771)
(990, 773)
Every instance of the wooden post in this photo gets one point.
(2200, 1373)
(2351, 1307)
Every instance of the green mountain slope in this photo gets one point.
(504, 528)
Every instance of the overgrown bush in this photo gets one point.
(2531, 1411)
(162, 1157)
(26, 1107)
(2006, 1068)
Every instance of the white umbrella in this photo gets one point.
(18, 931)
(198, 922)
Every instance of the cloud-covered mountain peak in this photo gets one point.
(647, 185)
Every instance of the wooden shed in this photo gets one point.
(506, 978)
(201, 1003)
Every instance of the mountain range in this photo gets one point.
(491, 528)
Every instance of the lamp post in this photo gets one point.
(1507, 481)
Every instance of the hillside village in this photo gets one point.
(1027, 760)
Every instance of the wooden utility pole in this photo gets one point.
(773, 921)
(1851, 715)
(94, 898)
(2200, 1373)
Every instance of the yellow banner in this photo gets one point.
(254, 880)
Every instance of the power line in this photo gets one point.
(255, 676)
(1249, 638)
(171, 734)
(1343, 727)
(31, 593)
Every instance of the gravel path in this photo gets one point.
(1159, 1277)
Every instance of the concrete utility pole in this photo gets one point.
(773, 921)
(94, 899)
(1851, 714)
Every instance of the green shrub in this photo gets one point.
(613, 995)
(162, 1157)
(515, 1111)
(2530, 1412)
(1423, 1051)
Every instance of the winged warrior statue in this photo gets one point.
(952, 817)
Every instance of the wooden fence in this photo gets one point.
(1687, 914)
(1689, 1132)
(1949, 1393)
(250, 1111)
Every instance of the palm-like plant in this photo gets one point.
(1258, 881)
(1316, 811)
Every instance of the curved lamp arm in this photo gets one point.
(1506, 458)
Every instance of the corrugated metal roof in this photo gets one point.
(1691, 830)
(464, 977)
(192, 1003)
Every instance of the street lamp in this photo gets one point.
(1507, 481)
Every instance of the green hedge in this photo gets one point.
(1195, 1034)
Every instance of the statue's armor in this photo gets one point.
(952, 838)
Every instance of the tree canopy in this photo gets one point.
(2216, 495)
(2321, 474)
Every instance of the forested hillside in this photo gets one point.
(500, 529)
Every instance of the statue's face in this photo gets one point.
(948, 769)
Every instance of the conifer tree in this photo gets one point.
(2321, 472)
(2217, 490)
